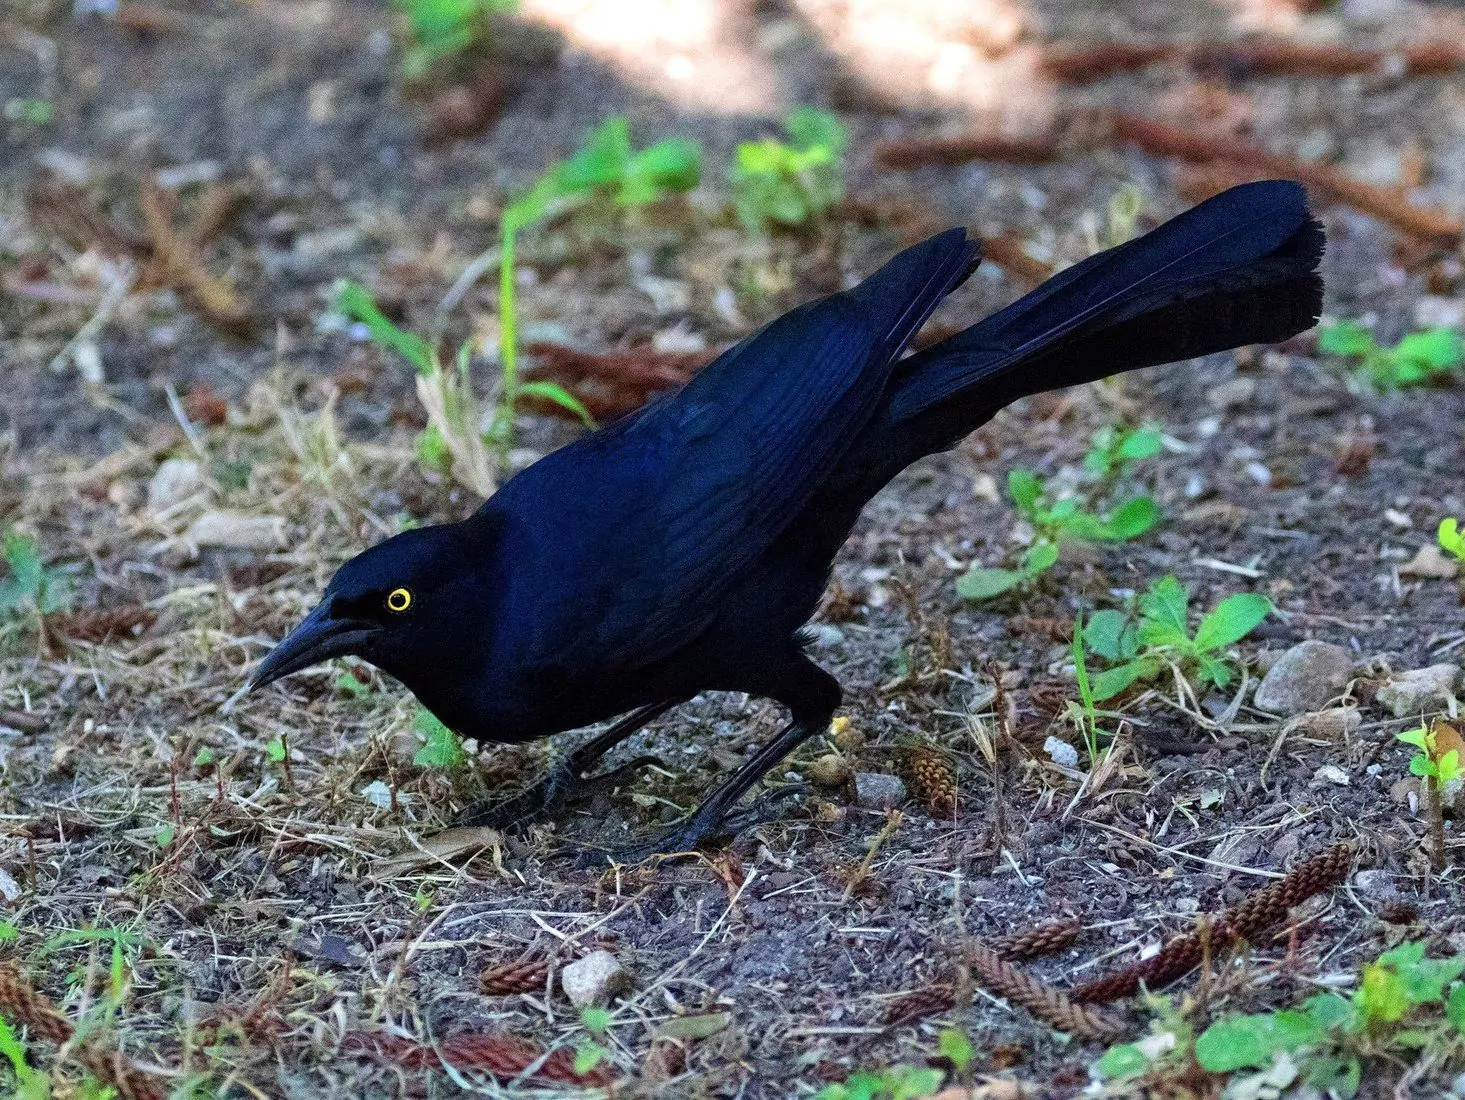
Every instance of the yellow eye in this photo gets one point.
(399, 599)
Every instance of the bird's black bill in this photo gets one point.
(320, 637)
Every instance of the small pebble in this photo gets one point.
(878, 790)
(594, 980)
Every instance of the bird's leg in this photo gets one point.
(705, 820)
(566, 779)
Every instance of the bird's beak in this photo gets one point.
(320, 637)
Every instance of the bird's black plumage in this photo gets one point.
(681, 549)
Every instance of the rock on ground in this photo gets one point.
(878, 790)
(1420, 690)
(594, 980)
(1304, 678)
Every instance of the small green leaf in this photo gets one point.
(275, 750)
(1140, 444)
(551, 391)
(204, 757)
(1420, 738)
(356, 302)
(8, 932)
(1422, 766)
(1132, 519)
(1236, 1042)
(1111, 635)
(1039, 558)
(595, 1019)
(1166, 605)
(1450, 538)
(164, 835)
(811, 128)
(1437, 350)
(1382, 996)
(1347, 338)
(1213, 670)
(587, 1057)
(1448, 767)
(1455, 1007)
(1025, 488)
(986, 584)
(1231, 620)
(1122, 1062)
(23, 556)
(1111, 682)
(956, 1048)
(441, 749)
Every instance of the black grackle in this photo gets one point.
(683, 548)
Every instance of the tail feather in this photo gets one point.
(1238, 269)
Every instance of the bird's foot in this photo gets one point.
(559, 788)
(684, 838)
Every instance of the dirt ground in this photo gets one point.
(289, 919)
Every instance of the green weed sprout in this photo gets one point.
(442, 31)
(900, 1082)
(33, 591)
(1393, 1009)
(1160, 638)
(1055, 520)
(1451, 541)
(1407, 1007)
(1125, 207)
(607, 167)
(790, 183)
(1115, 448)
(441, 750)
(1084, 714)
(1419, 359)
(1438, 763)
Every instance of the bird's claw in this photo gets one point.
(683, 839)
(557, 789)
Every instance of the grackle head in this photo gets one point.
(388, 605)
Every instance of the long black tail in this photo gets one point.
(1238, 269)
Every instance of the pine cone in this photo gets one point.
(933, 780)
(1258, 913)
(931, 1001)
(1045, 939)
(507, 979)
(1050, 1005)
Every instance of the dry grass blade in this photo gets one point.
(1050, 1005)
(20, 1001)
(1257, 914)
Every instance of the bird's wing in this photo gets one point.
(653, 519)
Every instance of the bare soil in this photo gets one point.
(276, 911)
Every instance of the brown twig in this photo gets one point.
(20, 1001)
(1251, 58)
(611, 384)
(920, 152)
(1256, 915)
(1388, 204)
(1050, 1005)
(1007, 252)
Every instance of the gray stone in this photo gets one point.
(176, 480)
(1420, 691)
(878, 790)
(1304, 678)
(1375, 884)
(594, 980)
